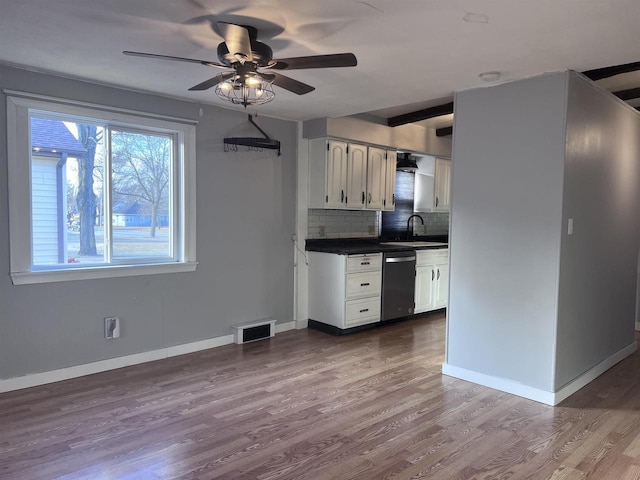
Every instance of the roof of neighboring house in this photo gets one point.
(132, 209)
(49, 135)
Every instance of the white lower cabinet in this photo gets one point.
(345, 290)
(442, 285)
(432, 279)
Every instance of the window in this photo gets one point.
(96, 193)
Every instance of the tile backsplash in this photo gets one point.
(434, 224)
(365, 224)
(342, 224)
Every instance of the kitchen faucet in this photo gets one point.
(409, 222)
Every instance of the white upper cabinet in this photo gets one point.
(376, 175)
(356, 176)
(336, 186)
(442, 188)
(350, 176)
(389, 202)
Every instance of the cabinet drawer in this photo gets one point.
(365, 284)
(432, 257)
(363, 263)
(360, 312)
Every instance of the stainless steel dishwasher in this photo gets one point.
(398, 284)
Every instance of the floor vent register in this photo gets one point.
(253, 331)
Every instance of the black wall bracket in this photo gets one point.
(232, 143)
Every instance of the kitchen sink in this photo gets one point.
(416, 244)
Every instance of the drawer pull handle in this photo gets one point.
(365, 263)
(364, 310)
(365, 284)
(438, 274)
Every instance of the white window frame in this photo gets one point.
(19, 170)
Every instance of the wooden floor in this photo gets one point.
(309, 406)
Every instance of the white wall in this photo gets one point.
(245, 219)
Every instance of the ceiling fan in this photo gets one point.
(252, 66)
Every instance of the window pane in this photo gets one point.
(67, 160)
(141, 172)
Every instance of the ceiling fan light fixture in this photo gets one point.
(226, 86)
(245, 90)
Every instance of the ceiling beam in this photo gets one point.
(423, 114)
(628, 94)
(606, 72)
(444, 131)
(446, 109)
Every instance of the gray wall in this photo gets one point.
(245, 218)
(597, 287)
(529, 302)
(507, 171)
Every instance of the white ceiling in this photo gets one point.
(411, 53)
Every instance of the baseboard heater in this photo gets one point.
(253, 331)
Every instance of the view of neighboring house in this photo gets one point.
(52, 145)
(135, 215)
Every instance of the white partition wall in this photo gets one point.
(531, 310)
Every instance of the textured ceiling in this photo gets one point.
(411, 53)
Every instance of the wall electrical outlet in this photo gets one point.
(111, 327)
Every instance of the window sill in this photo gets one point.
(49, 276)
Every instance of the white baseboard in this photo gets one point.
(52, 376)
(498, 383)
(300, 324)
(283, 327)
(537, 394)
(593, 373)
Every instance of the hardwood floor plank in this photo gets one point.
(305, 405)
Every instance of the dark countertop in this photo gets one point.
(349, 246)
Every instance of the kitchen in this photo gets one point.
(382, 270)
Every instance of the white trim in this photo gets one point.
(185, 348)
(18, 142)
(283, 327)
(52, 376)
(95, 106)
(638, 326)
(27, 278)
(539, 395)
(594, 372)
(497, 383)
(36, 379)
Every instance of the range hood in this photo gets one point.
(406, 163)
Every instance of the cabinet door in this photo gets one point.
(356, 176)
(389, 202)
(442, 285)
(442, 187)
(376, 172)
(336, 186)
(425, 279)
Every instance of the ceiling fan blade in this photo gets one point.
(213, 81)
(237, 39)
(290, 84)
(179, 59)
(316, 61)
